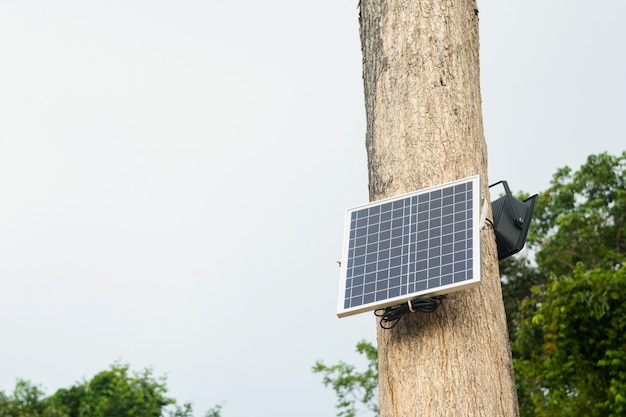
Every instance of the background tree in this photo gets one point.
(28, 400)
(569, 317)
(579, 218)
(571, 352)
(356, 391)
(424, 127)
(115, 392)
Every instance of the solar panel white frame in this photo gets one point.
(415, 245)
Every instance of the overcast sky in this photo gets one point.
(174, 177)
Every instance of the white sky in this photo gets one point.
(174, 176)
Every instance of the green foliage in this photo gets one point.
(28, 400)
(116, 393)
(564, 306)
(214, 412)
(582, 217)
(519, 278)
(572, 352)
(112, 393)
(353, 388)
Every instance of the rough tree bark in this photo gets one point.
(424, 127)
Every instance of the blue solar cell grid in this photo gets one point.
(412, 245)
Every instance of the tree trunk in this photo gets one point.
(424, 128)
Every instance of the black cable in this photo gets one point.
(390, 316)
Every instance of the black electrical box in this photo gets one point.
(511, 221)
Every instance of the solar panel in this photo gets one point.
(414, 245)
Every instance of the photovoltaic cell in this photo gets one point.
(415, 245)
